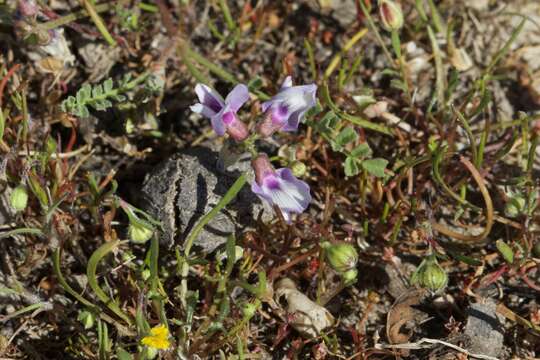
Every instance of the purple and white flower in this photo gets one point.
(280, 187)
(287, 108)
(222, 113)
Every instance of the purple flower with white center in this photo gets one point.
(222, 113)
(286, 110)
(280, 187)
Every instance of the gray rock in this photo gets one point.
(485, 329)
(183, 188)
(343, 11)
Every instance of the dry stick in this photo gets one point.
(420, 344)
(489, 210)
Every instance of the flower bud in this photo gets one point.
(349, 277)
(298, 168)
(235, 128)
(249, 310)
(86, 318)
(391, 15)
(19, 198)
(27, 8)
(267, 126)
(138, 233)
(262, 167)
(151, 353)
(430, 275)
(341, 257)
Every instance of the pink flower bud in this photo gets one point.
(391, 15)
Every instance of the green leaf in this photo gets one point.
(255, 83)
(103, 104)
(398, 84)
(351, 166)
(81, 111)
(346, 136)
(505, 250)
(108, 85)
(464, 259)
(97, 91)
(329, 121)
(361, 151)
(123, 354)
(375, 166)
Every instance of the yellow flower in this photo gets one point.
(158, 338)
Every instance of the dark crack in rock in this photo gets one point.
(183, 188)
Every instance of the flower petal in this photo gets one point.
(217, 123)
(287, 83)
(265, 105)
(209, 97)
(203, 110)
(237, 97)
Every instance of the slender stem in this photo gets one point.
(376, 32)
(227, 15)
(351, 118)
(98, 21)
(81, 14)
(229, 196)
(92, 279)
(32, 231)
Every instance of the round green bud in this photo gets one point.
(19, 198)
(249, 310)
(151, 352)
(342, 257)
(298, 168)
(349, 277)
(430, 275)
(139, 234)
(86, 318)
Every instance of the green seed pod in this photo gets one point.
(341, 257)
(298, 168)
(391, 15)
(249, 310)
(430, 275)
(19, 198)
(139, 234)
(349, 277)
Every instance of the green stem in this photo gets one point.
(227, 15)
(81, 14)
(154, 279)
(32, 231)
(187, 52)
(351, 118)
(64, 284)
(92, 279)
(376, 32)
(229, 196)
(98, 21)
